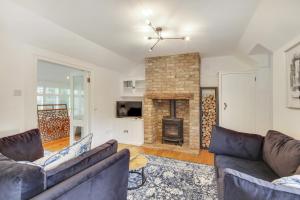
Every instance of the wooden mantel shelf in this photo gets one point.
(176, 95)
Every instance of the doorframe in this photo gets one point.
(68, 62)
(220, 74)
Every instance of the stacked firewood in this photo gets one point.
(209, 118)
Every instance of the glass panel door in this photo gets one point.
(79, 105)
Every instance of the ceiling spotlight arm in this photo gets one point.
(174, 38)
(157, 31)
(154, 38)
(154, 29)
(166, 38)
(155, 44)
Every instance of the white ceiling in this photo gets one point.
(23, 27)
(215, 26)
(274, 24)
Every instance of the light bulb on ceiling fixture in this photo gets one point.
(147, 12)
(187, 38)
(148, 22)
(150, 50)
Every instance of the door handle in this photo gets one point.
(225, 106)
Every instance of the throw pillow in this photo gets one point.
(281, 153)
(56, 158)
(83, 145)
(25, 146)
(289, 181)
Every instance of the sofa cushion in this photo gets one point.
(19, 181)
(25, 146)
(281, 153)
(233, 143)
(257, 169)
(75, 165)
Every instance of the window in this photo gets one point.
(53, 95)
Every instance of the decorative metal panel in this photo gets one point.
(53, 121)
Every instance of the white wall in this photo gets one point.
(136, 71)
(285, 119)
(18, 70)
(104, 95)
(18, 67)
(11, 78)
(129, 130)
(263, 101)
(211, 66)
(276, 32)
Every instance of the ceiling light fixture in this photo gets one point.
(159, 37)
(147, 12)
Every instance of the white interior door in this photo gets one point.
(237, 101)
(79, 105)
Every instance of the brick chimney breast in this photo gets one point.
(172, 77)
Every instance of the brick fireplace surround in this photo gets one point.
(172, 77)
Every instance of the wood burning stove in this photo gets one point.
(172, 127)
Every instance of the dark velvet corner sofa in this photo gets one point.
(101, 173)
(246, 164)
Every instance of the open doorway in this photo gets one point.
(62, 103)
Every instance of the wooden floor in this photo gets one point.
(202, 157)
(56, 145)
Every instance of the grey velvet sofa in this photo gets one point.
(246, 164)
(101, 173)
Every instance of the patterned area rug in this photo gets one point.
(176, 180)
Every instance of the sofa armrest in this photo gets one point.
(19, 181)
(238, 186)
(237, 144)
(108, 179)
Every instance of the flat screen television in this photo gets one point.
(129, 109)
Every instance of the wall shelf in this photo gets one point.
(133, 88)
